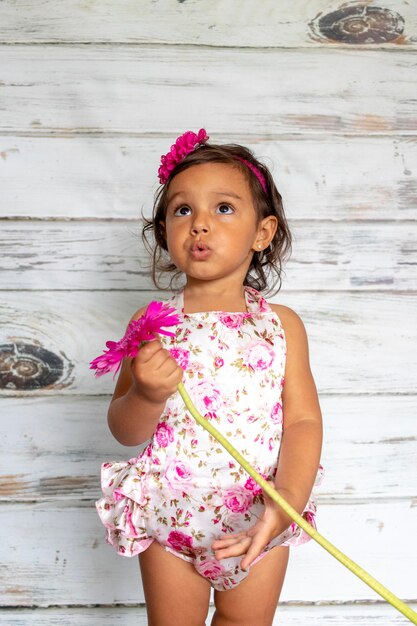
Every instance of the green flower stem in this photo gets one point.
(296, 517)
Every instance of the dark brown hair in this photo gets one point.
(266, 267)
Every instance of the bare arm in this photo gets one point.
(301, 443)
(142, 389)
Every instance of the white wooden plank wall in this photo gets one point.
(91, 93)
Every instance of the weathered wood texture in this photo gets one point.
(56, 555)
(334, 256)
(114, 89)
(286, 615)
(360, 342)
(212, 23)
(324, 92)
(57, 444)
(360, 178)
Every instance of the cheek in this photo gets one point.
(171, 231)
(174, 237)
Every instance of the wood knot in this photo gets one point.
(360, 24)
(25, 366)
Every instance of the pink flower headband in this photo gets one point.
(187, 143)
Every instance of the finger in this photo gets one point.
(255, 548)
(237, 549)
(177, 376)
(169, 373)
(227, 541)
(156, 358)
(166, 365)
(173, 380)
(148, 350)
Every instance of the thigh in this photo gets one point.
(255, 599)
(175, 593)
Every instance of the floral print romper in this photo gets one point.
(184, 490)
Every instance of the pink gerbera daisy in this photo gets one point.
(155, 318)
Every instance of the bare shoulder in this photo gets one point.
(300, 398)
(292, 323)
(137, 314)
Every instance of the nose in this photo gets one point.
(199, 228)
(199, 224)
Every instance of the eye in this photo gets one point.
(182, 210)
(225, 209)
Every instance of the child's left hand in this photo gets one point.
(252, 542)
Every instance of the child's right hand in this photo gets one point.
(155, 372)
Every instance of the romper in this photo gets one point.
(185, 490)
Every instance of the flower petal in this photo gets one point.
(152, 322)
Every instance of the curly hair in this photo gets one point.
(265, 270)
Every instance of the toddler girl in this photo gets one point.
(190, 512)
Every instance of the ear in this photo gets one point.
(265, 234)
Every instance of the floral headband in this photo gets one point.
(187, 143)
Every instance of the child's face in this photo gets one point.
(211, 223)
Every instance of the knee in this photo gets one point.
(220, 618)
(225, 618)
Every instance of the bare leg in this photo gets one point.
(175, 593)
(255, 599)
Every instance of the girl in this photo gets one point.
(190, 512)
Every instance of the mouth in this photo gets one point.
(199, 246)
(200, 250)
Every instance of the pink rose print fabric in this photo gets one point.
(184, 490)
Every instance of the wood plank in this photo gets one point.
(57, 444)
(201, 22)
(56, 555)
(127, 89)
(321, 177)
(286, 615)
(337, 256)
(361, 342)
